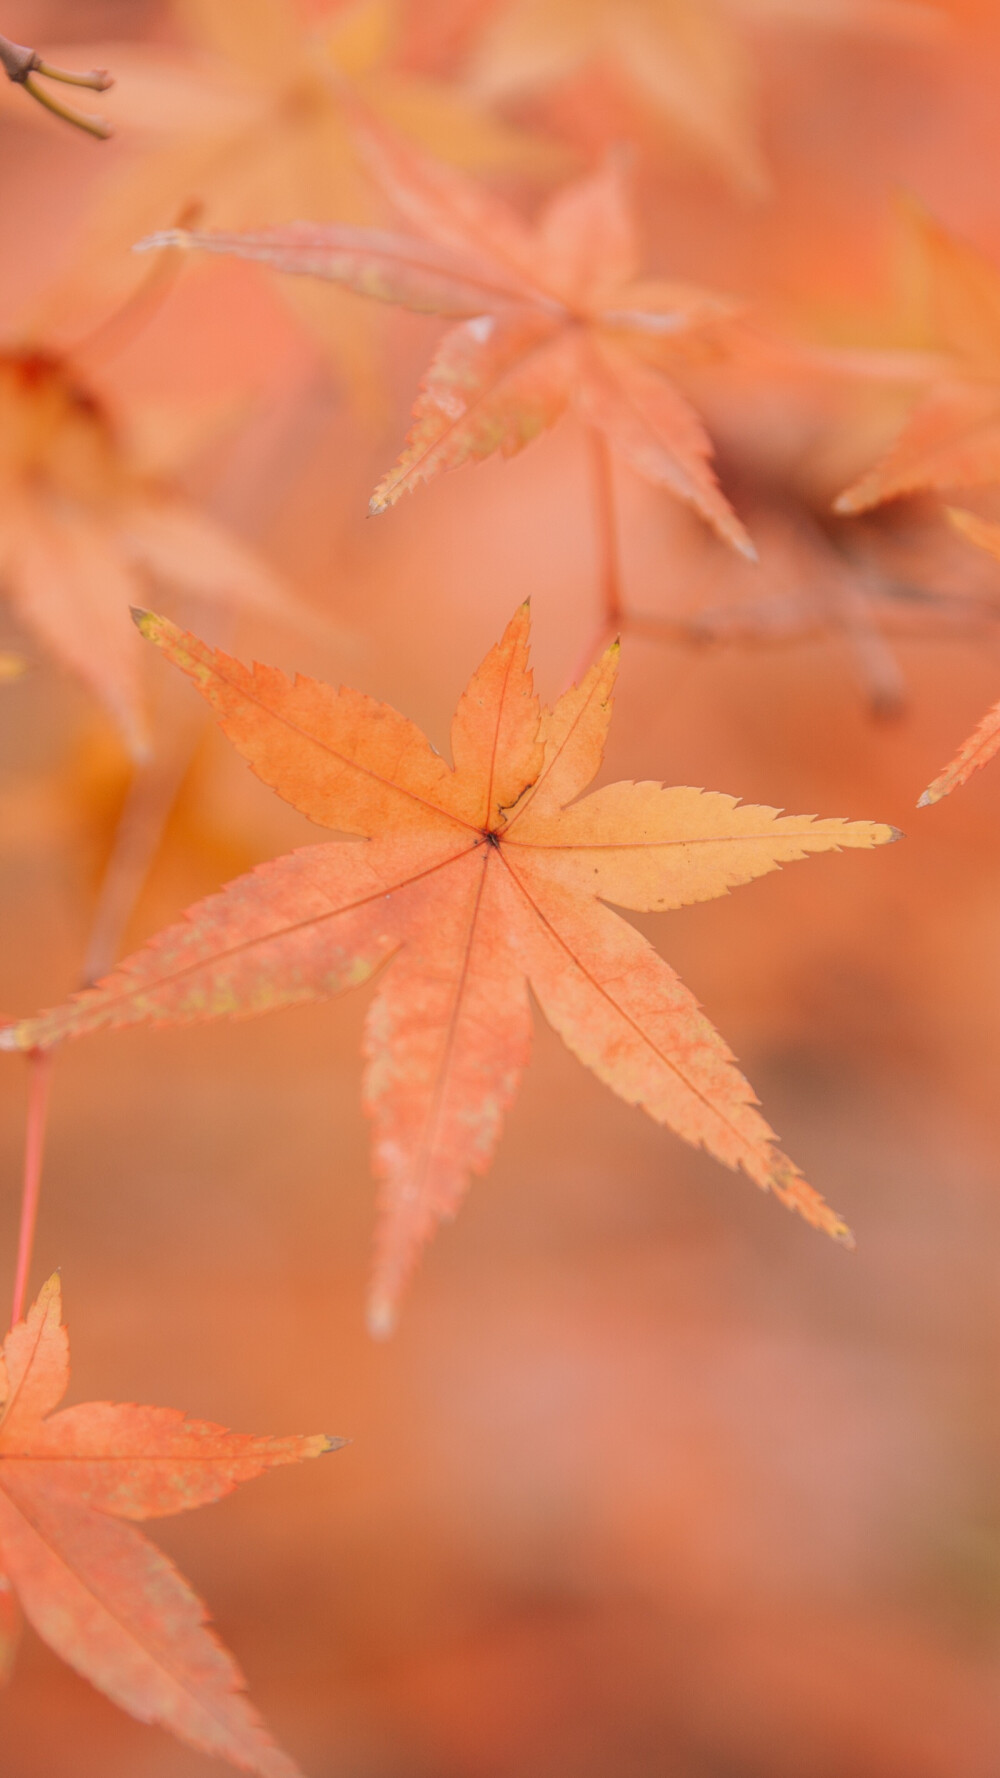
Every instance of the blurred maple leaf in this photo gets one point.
(952, 438)
(94, 1589)
(473, 882)
(83, 528)
(984, 741)
(686, 61)
(552, 315)
(253, 123)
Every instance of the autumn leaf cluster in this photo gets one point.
(511, 173)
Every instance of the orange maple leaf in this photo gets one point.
(83, 530)
(470, 883)
(687, 62)
(952, 437)
(92, 1586)
(548, 316)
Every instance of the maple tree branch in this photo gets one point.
(151, 796)
(607, 533)
(40, 1078)
(145, 812)
(22, 66)
(608, 553)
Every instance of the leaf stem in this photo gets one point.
(140, 306)
(609, 563)
(39, 1081)
(608, 551)
(145, 813)
(21, 66)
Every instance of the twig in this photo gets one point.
(22, 66)
(178, 726)
(40, 1065)
(608, 556)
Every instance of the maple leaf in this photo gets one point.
(952, 437)
(91, 1585)
(253, 120)
(686, 61)
(467, 885)
(984, 741)
(547, 317)
(83, 528)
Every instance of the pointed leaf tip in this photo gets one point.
(167, 237)
(847, 502)
(51, 1292)
(154, 628)
(381, 1318)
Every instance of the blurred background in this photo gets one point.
(653, 1482)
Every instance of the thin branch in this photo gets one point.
(151, 797)
(22, 66)
(40, 1065)
(607, 534)
(608, 553)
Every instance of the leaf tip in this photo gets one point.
(381, 1318)
(49, 1299)
(924, 801)
(892, 834)
(850, 501)
(167, 237)
(154, 628)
